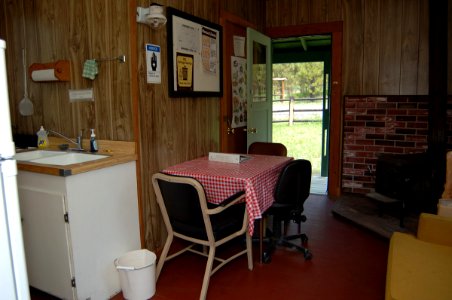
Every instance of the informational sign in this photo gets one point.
(184, 63)
(153, 64)
(239, 45)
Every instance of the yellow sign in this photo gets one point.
(184, 71)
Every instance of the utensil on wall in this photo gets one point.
(25, 105)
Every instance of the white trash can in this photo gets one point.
(137, 274)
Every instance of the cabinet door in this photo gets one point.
(46, 241)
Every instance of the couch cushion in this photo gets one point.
(418, 269)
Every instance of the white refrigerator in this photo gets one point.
(13, 271)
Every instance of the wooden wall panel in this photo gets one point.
(352, 73)
(334, 10)
(423, 63)
(317, 11)
(371, 53)
(298, 12)
(385, 41)
(252, 11)
(97, 13)
(64, 117)
(390, 47)
(76, 31)
(410, 47)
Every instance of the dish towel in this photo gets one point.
(90, 69)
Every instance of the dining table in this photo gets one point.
(256, 176)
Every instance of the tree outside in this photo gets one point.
(304, 80)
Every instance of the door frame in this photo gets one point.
(335, 144)
(226, 133)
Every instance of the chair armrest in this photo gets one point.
(228, 200)
(227, 203)
(435, 229)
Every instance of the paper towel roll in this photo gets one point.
(44, 75)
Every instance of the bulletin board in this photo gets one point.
(194, 56)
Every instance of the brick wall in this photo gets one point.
(379, 124)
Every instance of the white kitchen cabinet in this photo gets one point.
(76, 226)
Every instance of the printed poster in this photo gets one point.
(238, 80)
(209, 50)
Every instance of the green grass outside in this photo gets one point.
(303, 140)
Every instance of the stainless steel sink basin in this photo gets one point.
(69, 159)
(36, 154)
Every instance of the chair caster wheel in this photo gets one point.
(307, 255)
(304, 238)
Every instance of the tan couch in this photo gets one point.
(421, 267)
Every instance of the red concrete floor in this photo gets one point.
(348, 263)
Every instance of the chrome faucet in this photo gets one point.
(78, 140)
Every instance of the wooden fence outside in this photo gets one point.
(294, 110)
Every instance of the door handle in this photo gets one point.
(231, 131)
(250, 130)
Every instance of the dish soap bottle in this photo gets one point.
(93, 142)
(43, 140)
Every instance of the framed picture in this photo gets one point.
(194, 56)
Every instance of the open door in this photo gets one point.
(259, 87)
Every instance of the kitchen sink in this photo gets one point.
(36, 154)
(58, 158)
(69, 159)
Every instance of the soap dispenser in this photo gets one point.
(43, 140)
(93, 142)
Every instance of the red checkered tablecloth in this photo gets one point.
(256, 176)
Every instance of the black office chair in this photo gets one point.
(187, 215)
(265, 148)
(292, 190)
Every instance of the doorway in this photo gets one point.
(234, 140)
(334, 30)
(301, 101)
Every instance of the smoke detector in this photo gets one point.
(152, 15)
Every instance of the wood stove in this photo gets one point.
(403, 179)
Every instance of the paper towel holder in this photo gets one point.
(61, 70)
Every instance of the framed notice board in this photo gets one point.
(194, 56)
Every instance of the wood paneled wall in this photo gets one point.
(253, 11)
(176, 129)
(299, 12)
(385, 41)
(73, 30)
